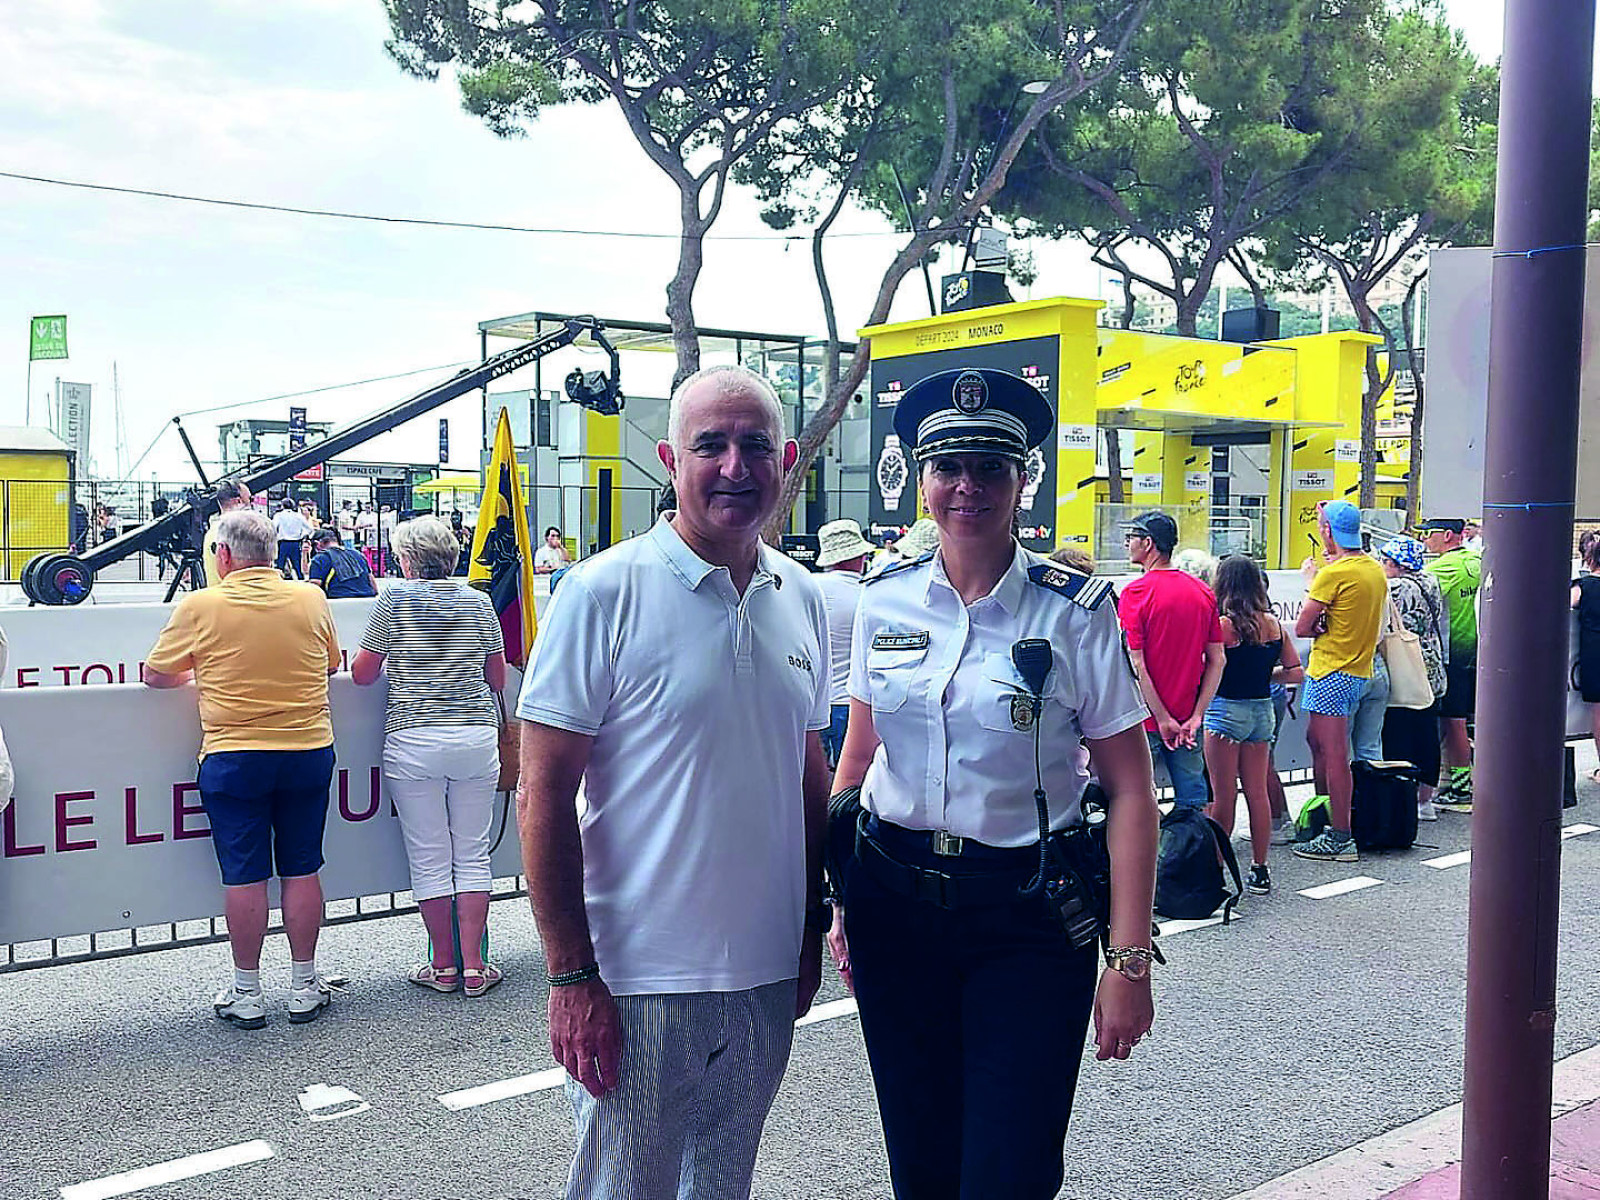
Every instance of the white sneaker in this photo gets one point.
(307, 1003)
(247, 1010)
(1426, 811)
(1283, 834)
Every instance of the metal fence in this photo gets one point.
(178, 935)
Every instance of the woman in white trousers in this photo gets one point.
(440, 644)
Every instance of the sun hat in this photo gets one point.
(839, 541)
(1405, 551)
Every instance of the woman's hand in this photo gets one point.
(1123, 1013)
(839, 948)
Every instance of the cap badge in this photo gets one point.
(971, 393)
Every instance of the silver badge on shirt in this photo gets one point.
(900, 641)
(1024, 710)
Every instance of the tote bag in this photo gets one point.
(1402, 654)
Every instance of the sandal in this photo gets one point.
(440, 979)
(476, 983)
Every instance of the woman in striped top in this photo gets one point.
(440, 642)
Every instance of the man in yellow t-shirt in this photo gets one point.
(260, 650)
(1343, 611)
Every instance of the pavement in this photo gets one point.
(1319, 1031)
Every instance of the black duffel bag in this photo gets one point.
(1383, 805)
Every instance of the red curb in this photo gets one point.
(1574, 1157)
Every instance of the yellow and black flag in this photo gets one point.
(502, 553)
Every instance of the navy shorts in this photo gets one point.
(265, 805)
(1460, 693)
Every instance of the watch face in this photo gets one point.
(1133, 967)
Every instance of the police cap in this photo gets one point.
(972, 410)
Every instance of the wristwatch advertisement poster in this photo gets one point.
(892, 490)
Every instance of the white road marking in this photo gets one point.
(1572, 831)
(1168, 928)
(504, 1089)
(543, 1081)
(1445, 861)
(1339, 887)
(168, 1172)
(828, 1011)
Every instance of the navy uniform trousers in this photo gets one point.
(974, 1020)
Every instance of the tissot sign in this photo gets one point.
(893, 495)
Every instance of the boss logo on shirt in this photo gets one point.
(900, 641)
(800, 662)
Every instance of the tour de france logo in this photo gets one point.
(971, 393)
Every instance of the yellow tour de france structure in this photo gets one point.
(1297, 400)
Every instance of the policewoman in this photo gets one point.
(974, 1001)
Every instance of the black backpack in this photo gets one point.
(1189, 881)
(1383, 806)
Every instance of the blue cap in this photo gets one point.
(1344, 522)
(972, 410)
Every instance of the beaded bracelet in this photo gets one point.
(576, 975)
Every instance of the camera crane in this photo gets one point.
(57, 579)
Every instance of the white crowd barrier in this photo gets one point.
(106, 831)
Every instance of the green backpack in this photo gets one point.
(1312, 819)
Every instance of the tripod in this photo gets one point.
(191, 569)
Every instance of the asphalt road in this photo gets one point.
(1306, 1026)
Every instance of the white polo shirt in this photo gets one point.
(841, 590)
(956, 752)
(694, 850)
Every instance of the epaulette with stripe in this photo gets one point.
(1081, 589)
(902, 565)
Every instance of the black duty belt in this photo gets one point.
(998, 877)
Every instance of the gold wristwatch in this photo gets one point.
(1131, 962)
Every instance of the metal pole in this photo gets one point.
(1530, 464)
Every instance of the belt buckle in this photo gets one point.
(946, 844)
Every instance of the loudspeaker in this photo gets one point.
(973, 289)
(1249, 324)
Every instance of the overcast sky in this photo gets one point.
(295, 103)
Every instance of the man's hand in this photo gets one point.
(810, 972)
(839, 948)
(1189, 731)
(1123, 1013)
(1170, 730)
(586, 1034)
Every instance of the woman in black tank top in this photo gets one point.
(1239, 721)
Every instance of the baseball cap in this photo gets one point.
(1448, 524)
(1344, 522)
(1158, 527)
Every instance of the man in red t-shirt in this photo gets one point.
(1175, 640)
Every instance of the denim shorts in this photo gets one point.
(265, 805)
(1336, 694)
(1240, 720)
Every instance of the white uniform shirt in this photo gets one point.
(291, 526)
(941, 682)
(694, 848)
(840, 592)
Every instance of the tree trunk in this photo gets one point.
(1369, 398)
(1189, 313)
(1116, 492)
(680, 292)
